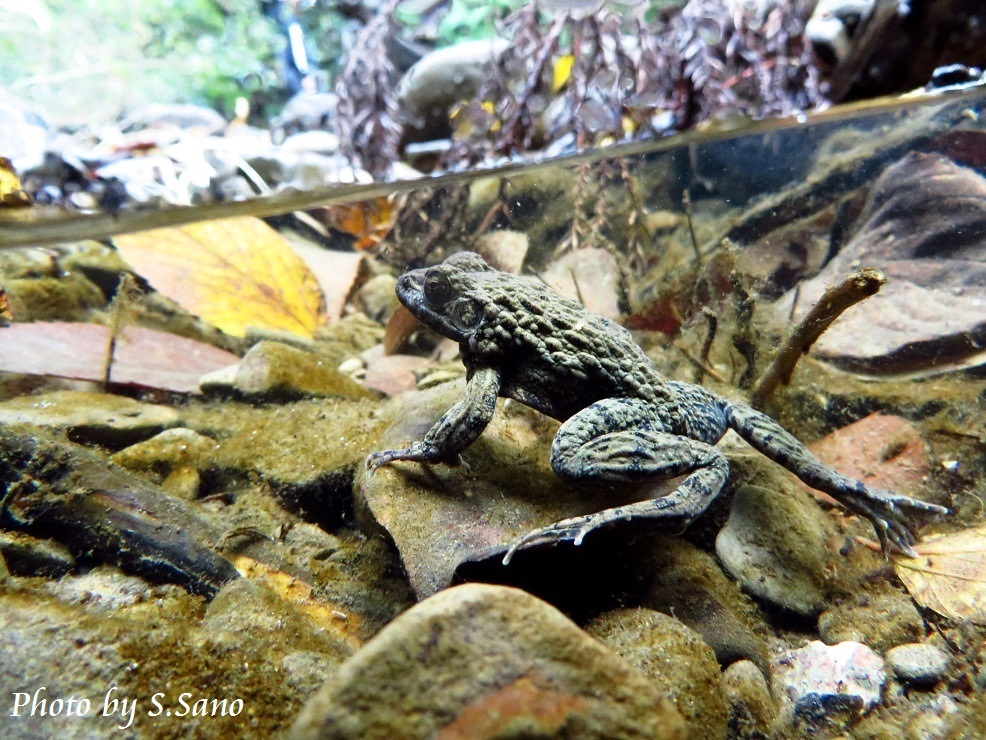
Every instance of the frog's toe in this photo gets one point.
(566, 530)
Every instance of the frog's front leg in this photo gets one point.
(622, 440)
(458, 428)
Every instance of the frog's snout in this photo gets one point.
(409, 287)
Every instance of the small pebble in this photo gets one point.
(918, 663)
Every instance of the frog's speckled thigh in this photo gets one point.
(630, 454)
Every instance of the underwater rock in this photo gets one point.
(590, 277)
(918, 663)
(675, 658)
(305, 453)
(107, 634)
(94, 418)
(377, 297)
(689, 585)
(63, 491)
(441, 517)
(880, 618)
(503, 249)
(102, 589)
(752, 708)
(850, 673)
(392, 374)
(253, 609)
(487, 661)
(157, 457)
(71, 297)
(775, 545)
(277, 372)
(885, 451)
(97, 262)
(173, 459)
(923, 227)
(29, 556)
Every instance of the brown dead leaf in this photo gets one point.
(369, 221)
(950, 574)
(233, 273)
(325, 615)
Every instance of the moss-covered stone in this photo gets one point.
(68, 298)
(487, 661)
(675, 658)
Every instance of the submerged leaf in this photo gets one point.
(233, 273)
(950, 574)
(324, 614)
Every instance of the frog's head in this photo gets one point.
(449, 297)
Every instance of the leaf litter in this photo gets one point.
(949, 576)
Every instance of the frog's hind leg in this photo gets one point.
(889, 512)
(620, 440)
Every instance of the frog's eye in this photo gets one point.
(466, 314)
(438, 288)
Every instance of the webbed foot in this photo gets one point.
(894, 517)
(574, 529)
(418, 452)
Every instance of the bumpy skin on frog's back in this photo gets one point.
(622, 421)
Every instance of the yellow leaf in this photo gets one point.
(563, 70)
(949, 576)
(233, 273)
(325, 615)
(12, 194)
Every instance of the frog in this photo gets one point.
(622, 421)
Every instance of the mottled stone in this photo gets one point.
(98, 418)
(879, 617)
(922, 227)
(71, 297)
(589, 276)
(274, 371)
(689, 585)
(918, 663)
(752, 709)
(161, 455)
(504, 249)
(885, 451)
(376, 297)
(82, 636)
(819, 680)
(487, 661)
(306, 452)
(29, 556)
(776, 544)
(675, 658)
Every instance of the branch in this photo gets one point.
(836, 299)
